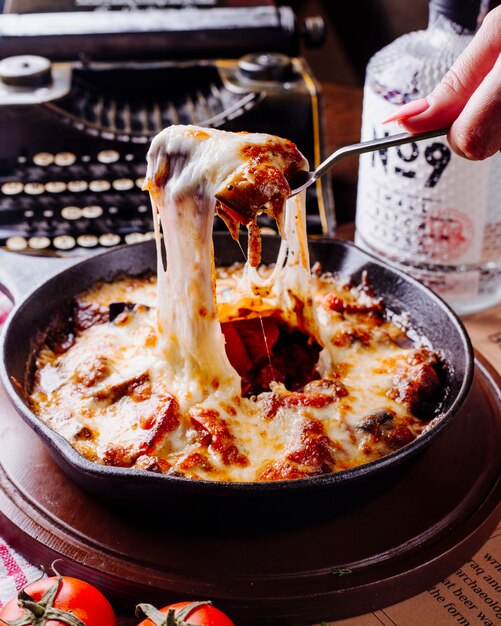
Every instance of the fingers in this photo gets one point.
(476, 134)
(477, 68)
(411, 109)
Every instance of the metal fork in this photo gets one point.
(302, 179)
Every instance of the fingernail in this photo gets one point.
(408, 110)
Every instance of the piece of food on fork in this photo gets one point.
(248, 173)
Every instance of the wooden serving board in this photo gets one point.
(416, 531)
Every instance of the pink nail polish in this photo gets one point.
(408, 110)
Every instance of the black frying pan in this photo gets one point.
(430, 317)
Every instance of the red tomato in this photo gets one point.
(202, 614)
(83, 600)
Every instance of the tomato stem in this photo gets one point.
(39, 613)
(171, 618)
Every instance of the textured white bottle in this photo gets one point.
(421, 207)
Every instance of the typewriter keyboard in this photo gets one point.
(64, 203)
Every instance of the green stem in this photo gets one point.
(171, 618)
(39, 613)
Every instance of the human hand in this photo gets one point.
(468, 99)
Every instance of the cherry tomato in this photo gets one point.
(200, 614)
(74, 601)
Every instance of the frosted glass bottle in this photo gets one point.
(421, 207)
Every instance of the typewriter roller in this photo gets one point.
(83, 93)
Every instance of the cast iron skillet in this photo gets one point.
(430, 317)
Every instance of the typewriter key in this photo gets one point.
(71, 213)
(140, 182)
(55, 186)
(34, 189)
(16, 243)
(29, 214)
(65, 158)
(48, 213)
(43, 159)
(149, 235)
(92, 212)
(87, 241)
(108, 156)
(39, 243)
(142, 208)
(123, 184)
(64, 242)
(134, 237)
(12, 188)
(109, 239)
(76, 186)
(99, 185)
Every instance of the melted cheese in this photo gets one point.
(367, 370)
(155, 388)
(186, 168)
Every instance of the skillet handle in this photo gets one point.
(20, 273)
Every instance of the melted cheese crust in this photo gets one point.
(155, 387)
(110, 395)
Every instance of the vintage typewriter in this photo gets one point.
(85, 85)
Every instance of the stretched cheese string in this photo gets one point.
(190, 335)
(184, 172)
(288, 287)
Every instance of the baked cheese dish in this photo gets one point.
(243, 373)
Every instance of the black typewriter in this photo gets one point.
(85, 85)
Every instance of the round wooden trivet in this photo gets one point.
(415, 532)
